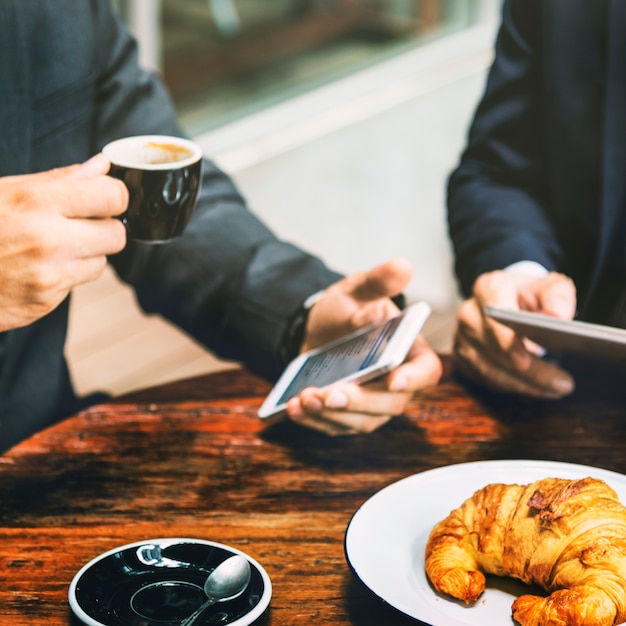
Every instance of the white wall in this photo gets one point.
(356, 171)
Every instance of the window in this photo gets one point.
(225, 59)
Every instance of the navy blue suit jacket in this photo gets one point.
(543, 174)
(69, 84)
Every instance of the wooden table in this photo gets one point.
(191, 459)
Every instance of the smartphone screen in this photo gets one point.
(337, 362)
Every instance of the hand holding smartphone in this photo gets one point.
(360, 356)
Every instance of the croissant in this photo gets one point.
(566, 536)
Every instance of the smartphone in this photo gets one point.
(562, 337)
(363, 355)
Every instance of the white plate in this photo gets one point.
(386, 537)
(158, 582)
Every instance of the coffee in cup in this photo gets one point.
(162, 174)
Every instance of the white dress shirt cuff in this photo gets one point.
(527, 268)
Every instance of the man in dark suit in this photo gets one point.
(70, 84)
(536, 207)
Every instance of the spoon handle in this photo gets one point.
(189, 621)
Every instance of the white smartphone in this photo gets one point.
(360, 356)
(561, 337)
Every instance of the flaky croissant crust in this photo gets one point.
(567, 536)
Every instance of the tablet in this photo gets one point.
(561, 337)
(360, 356)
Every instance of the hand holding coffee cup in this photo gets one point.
(163, 178)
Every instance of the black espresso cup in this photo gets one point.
(163, 178)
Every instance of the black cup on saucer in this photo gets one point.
(162, 174)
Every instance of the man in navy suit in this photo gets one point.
(537, 204)
(70, 83)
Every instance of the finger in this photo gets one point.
(97, 197)
(499, 341)
(97, 165)
(93, 238)
(422, 369)
(297, 413)
(383, 281)
(557, 296)
(541, 379)
(346, 423)
(347, 403)
(45, 288)
(509, 347)
(86, 270)
(492, 289)
(91, 193)
(370, 399)
(497, 288)
(501, 380)
(334, 423)
(71, 194)
(319, 424)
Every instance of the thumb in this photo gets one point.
(382, 281)
(558, 296)
(97, 165)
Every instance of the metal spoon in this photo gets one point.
(227, 582)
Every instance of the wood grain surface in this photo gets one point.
(191, 459)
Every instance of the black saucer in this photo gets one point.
(159, 582)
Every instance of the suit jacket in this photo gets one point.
(542, 177)
(69, 84)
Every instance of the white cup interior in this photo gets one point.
(152, 152)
